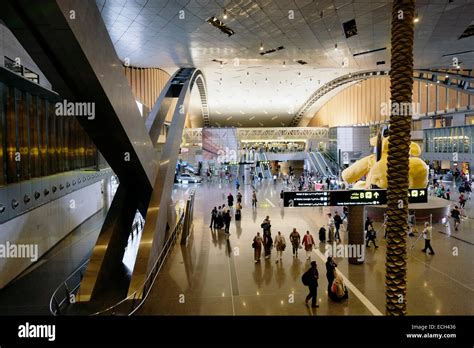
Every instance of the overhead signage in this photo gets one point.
(346, 197)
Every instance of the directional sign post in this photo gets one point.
(346, 197)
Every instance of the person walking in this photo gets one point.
(462, 200)
(337, 225)
(467, 189)
(310, 279)
(227, 219)
(295, 239)
(213, 218)
(280, 245)
(371, 234)
(370, 237)
(238, 211)
(257, 247)
(331, 226)
(308, 243)
(427, 235)
(254, 199)
(239, 197)
(267, 243)
(230, 200)
(266, 224)
(456, 215)
(237, 183)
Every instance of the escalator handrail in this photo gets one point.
(315, 167)
(64, 285)
(151, 276)
(329, 171)
(319, 168)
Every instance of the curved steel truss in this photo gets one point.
(458, 82)
(194, 135)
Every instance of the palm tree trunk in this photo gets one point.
(401, 79)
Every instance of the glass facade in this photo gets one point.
(449, 139)
(34, 142)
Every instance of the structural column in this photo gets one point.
(355, 226)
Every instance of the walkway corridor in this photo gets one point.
(216, 275)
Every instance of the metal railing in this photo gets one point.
(65, 293)
(133, 302)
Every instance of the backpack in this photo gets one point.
(305, 278)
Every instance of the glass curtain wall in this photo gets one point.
(35, 142)
(449, 139)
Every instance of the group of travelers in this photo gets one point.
(221, 216)
(337, 291)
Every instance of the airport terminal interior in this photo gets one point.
(236, 157)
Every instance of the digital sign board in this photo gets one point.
(346, 197)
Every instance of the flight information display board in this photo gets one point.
(346, 197)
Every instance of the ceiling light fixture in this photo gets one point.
(221, 26)
(416, 19)
(272, 50)
(225, 14)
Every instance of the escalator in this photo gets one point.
(62, 47)
(322, 161)
(314, 165)
(267, 173)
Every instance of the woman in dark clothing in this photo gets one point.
(230, 200)
(330, 267)
(267, 243)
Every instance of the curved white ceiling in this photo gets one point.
(251, 90)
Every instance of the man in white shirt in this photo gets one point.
(427, 235)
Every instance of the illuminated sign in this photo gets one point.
(346, 197)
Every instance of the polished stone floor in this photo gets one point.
(216, 275)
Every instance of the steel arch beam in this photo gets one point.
(457, 82)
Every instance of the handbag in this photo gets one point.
(254, 244)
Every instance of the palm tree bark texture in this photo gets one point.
(401, 85)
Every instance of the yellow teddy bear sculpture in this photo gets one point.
(376, 171)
